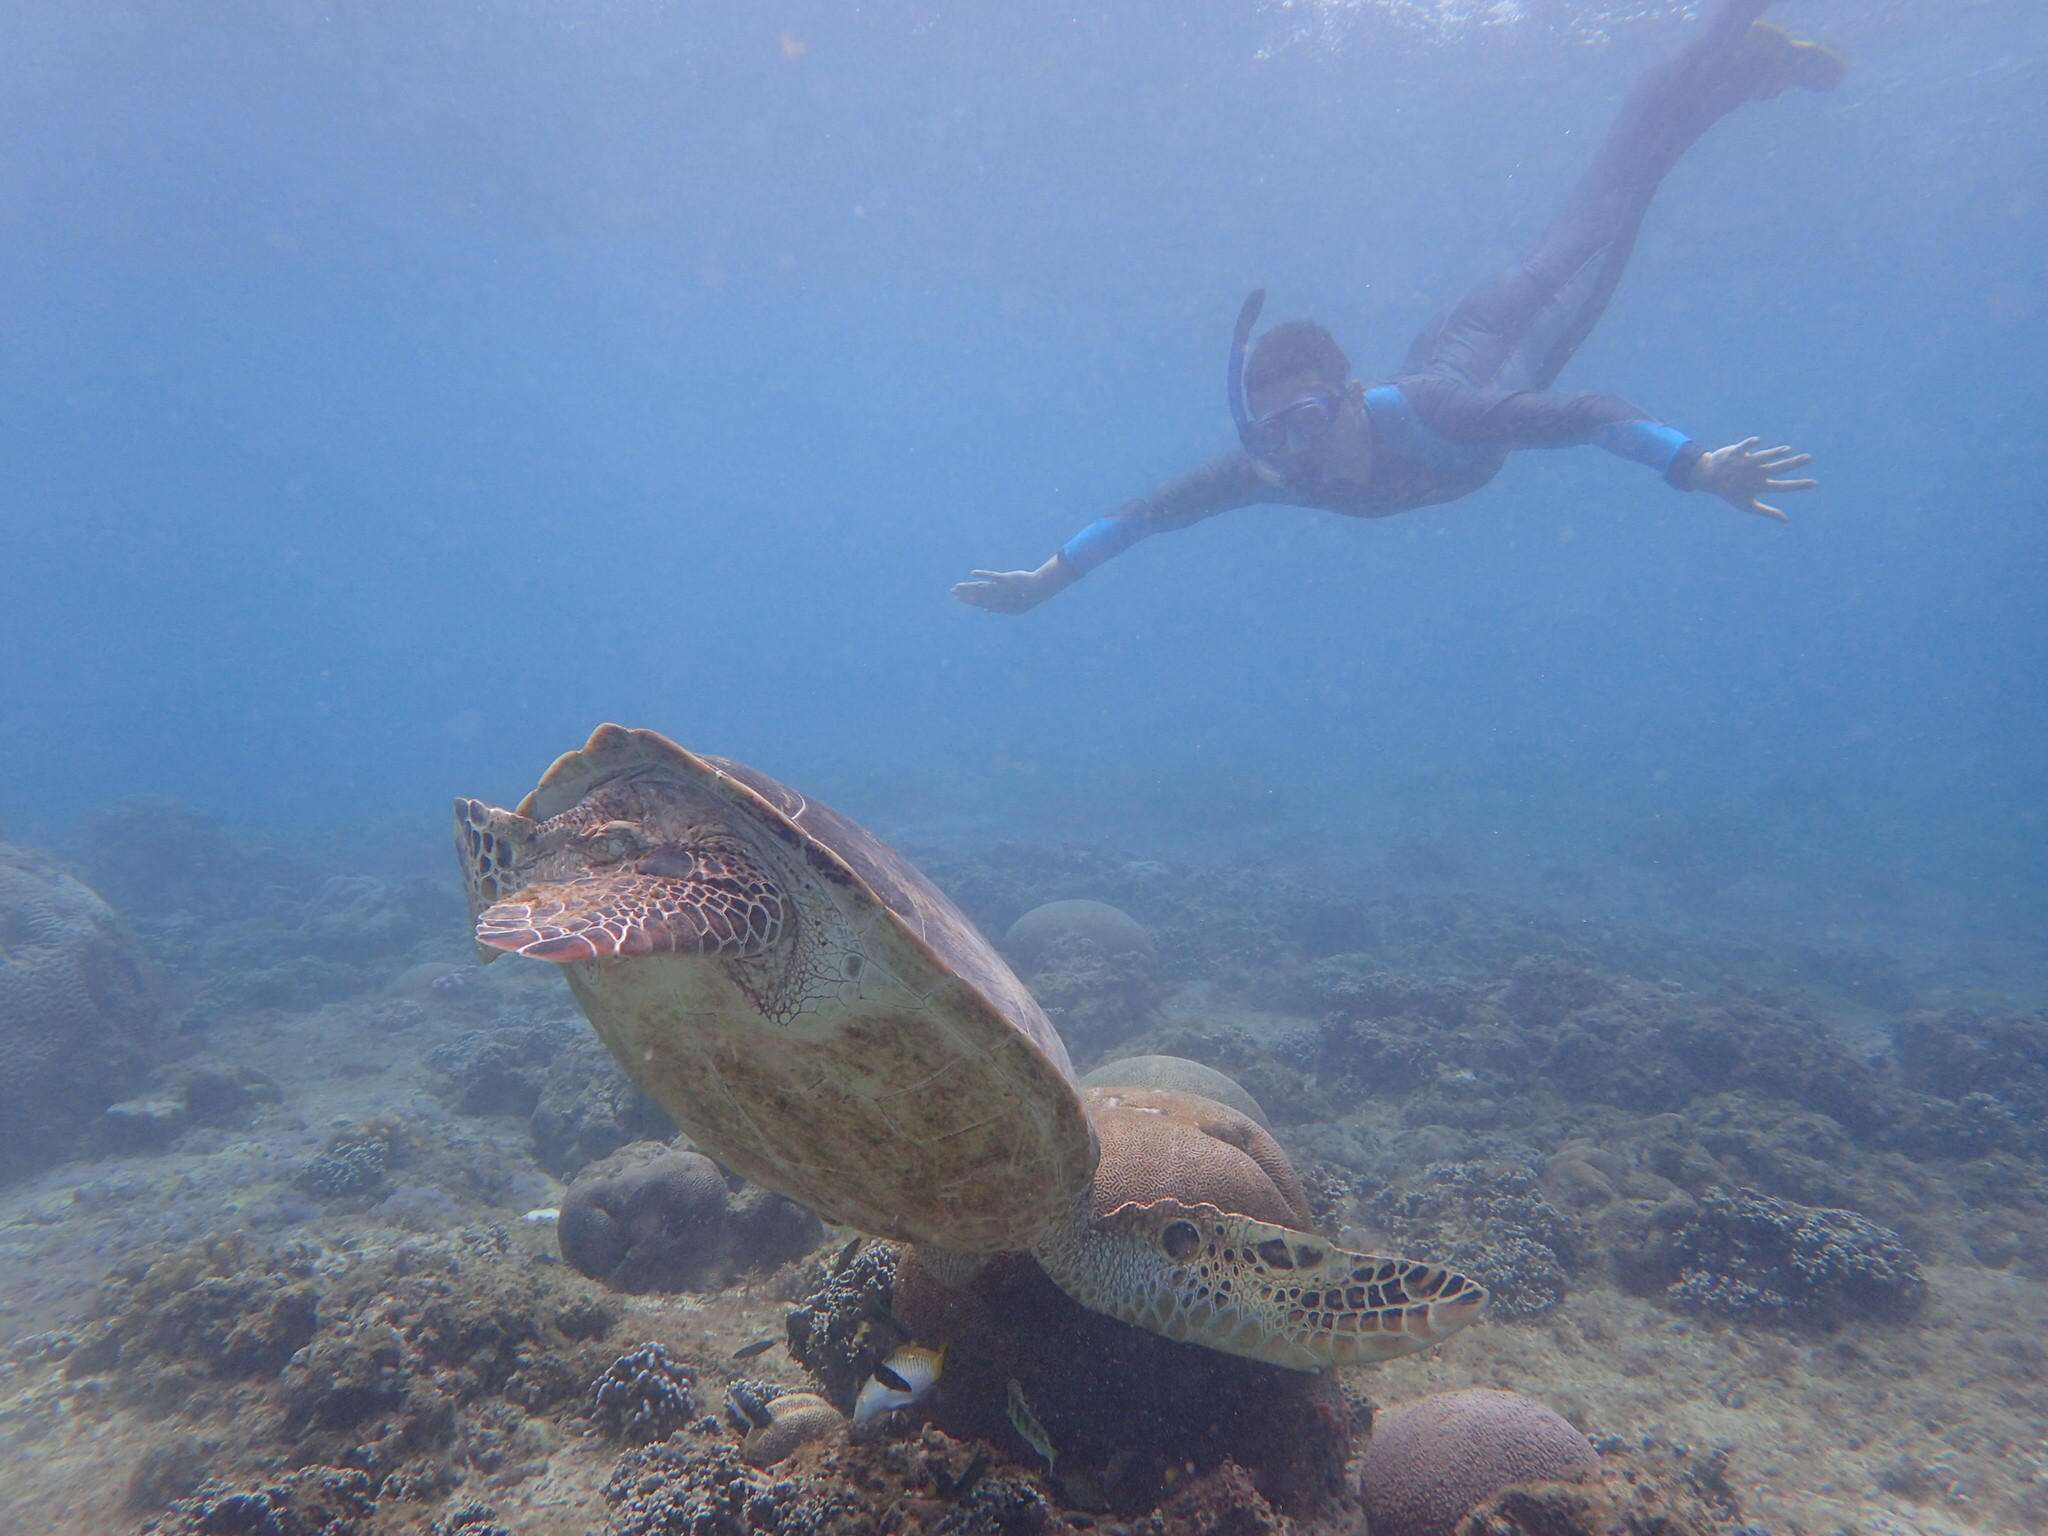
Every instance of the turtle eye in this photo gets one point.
(611, 841)
(1181, 1240)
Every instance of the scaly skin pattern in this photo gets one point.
(1204, 1276)
(617, 892)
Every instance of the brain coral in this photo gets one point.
(77, 1020)
(1431, 1462)
(1109, 929)
(1181, 1075)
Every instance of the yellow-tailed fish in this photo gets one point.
(913, 1367)
(1025, 1422)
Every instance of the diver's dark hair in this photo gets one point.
(1292, 348)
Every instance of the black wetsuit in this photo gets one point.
(1475, 385)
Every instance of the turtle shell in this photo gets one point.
(876, 1061)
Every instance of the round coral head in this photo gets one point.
(1432, 1462)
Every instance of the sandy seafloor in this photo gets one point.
(1402, 1041)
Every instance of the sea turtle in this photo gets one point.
(813, 1012)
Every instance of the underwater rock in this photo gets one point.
(1430, 1462)
(643, 1396)
(647, 1221)
(1544, 989)
(78, 1019)
(359, 918)
(589, 1109)
(500, 1071)
(1364, 987)
(764, 1231)
(182, 1097)
(651, 1219)
(1180, 1074)
(169, 1470)
(1092, 968)
(294, 984)
(151, 854)
(1993, 1070)
(1651, 1051)
(1749, 1256)
(313, 1501)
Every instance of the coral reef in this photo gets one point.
(650, 1222)
(680, 1488)
(414, 1365)
(1750, 1256)
(643, 1396)
(1431, 1462)
(500, 1071)
(651, 1219)
(1489, 1219)
(588, 1109)
(1092, 967)
(843, 1330)
(1181, 1075)
(214, 1306)
(1993, 1069)
(313, 1501)
(183, 1096)
(77, 1016)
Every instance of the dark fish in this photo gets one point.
(949, 1487)
(745, 1405)
(883, 1317)
(892, 1380)
(758, 1347)
(846, 1254)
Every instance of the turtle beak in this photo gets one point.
(489, 842)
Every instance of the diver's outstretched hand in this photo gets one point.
(1015, 591)
(1742, 472)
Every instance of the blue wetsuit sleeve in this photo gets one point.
(1102, 540)
(1218, 486)
(1539, 419)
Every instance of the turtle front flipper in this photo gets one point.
(631, 913)
(566, 891)
(1200, 1275)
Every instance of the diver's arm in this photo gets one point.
(1540, 419)
(1218, 486)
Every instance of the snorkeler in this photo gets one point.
(1476, 383)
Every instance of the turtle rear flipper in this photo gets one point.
(633, 913)
(1201, 1275)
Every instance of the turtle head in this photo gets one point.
(628, 869)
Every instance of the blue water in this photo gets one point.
(390, 393)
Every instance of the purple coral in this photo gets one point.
(643, 1396)
(1431, 1462)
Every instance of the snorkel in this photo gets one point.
(1240, 409)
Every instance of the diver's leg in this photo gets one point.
(1517, 329)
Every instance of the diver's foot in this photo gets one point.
(1782, 61)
